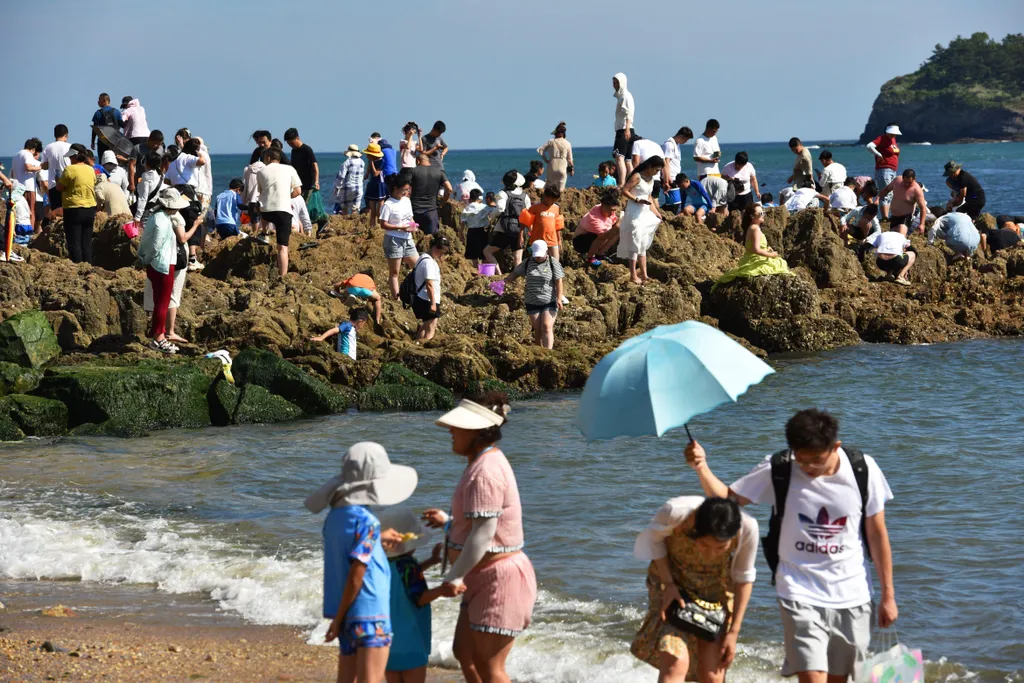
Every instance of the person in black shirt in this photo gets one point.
(262, 140)
(427, 182)
(137, 161)
(304, 162)
(966, 189)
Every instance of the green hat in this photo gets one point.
(951, 167)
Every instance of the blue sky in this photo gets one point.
(499, 74)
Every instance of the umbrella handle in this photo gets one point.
(688, 434)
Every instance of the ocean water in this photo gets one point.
(998, 166)
(215, 516)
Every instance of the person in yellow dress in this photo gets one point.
(758, 258)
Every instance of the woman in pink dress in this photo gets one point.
(485, 542)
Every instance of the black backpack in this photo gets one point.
(408, 291)
(108, 118)
(508, 221)
(782, 467)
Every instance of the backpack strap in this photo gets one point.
(781, 470)
(860, 473)
(415, 268)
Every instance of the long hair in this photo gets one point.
(748, 215)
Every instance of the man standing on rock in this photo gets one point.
(625, 116)
(278, 184)
(887, 162)
(803, 169)
(706, 152)
(906, 193)
(427, 181)
(968, 196)
(833, 176)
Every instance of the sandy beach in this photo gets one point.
(84, 645)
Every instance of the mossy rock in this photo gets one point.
(36, 416)
(131, 400)
(266, 369)
(406, 397)
(395, 373)
(14, 379)
(484, 385)
(28, 340)
(9, 430)
(256, 405)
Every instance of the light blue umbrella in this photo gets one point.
(660, 379)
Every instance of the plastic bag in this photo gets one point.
(315, 206)
(898, 664)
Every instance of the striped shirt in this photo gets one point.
(540, 280)
(347, 339)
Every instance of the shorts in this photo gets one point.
(176, 290)
(499, 596)
(897, 221)
(428, 221)
(398, 247)
(533, 309)
(623, 147)
(476, 240)
(884, 176)
(582, 243)
(282, 222)
(824, 639)
(362, 634)
(225, 230)
(421, 309)
(55, 199)
(360, 292)
(503, 240)
(892, 265)
(696, 204)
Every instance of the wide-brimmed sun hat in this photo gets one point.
(353, 151)
(373, 149)
(470, 415)
(169, 198)
(367, 478)
(950, 168)
(893, 130)
(405, 521)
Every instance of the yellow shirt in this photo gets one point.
(78, 181)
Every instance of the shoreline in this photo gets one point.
(101, 641)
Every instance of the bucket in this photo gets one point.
(131, 229)
(486, 268)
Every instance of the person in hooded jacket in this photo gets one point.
(625, 112)
(468, 184)
(133, 120)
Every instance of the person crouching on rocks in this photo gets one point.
(543, 297)
(598, 231)
(346, 332)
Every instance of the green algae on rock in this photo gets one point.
(36, 416)
(28, 340)
(270, 371)
(15, 379)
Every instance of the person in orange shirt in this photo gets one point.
(358, 287)
(545, 221)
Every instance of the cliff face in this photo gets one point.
(971, 90)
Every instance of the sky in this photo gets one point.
(500, 75)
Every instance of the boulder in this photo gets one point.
(250, 404)
(398, 388)
(9, 430)
(28, 340)
(36, 416)
(811, 240)
(15, 379)
(131, 400)
(801, 333)
(768, 296)
(313, 397)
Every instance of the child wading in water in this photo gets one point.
(641, 218)
(410, 597)
(357, 577)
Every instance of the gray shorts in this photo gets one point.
(396, 247)
(823, 639)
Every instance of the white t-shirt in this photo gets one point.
(889, 243)
(20, 172)
(844, 198)
(821, 555)
(645, 149)
(397, 212)
(477, 215)
(671, 151)
(501, 199)
(743, 175)
(801, 199)
(277, 182)
(182, 171)
(705, 147)
(300, 215)
(832, 178)
(427, 269)
(119, 177)
(53, 155)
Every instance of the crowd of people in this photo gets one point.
(400, 190)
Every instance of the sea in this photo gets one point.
(206, 526)
(999, 166)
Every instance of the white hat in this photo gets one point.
(520, 180)
(404, 521)
(108, 157)
(169, 198)
(353, 151)
(367, 478)
(468, 176)
(893, 130)
(539, 248)
(470, 415)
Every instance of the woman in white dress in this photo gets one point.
(641, 218)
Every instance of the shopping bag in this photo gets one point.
(898, 664)
(315, 206)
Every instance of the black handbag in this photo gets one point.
(182, 256)
(702, 618)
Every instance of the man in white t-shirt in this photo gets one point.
(844, 197)
(742, 175)
(54, 159)
(804, 198)
(278, 185)
(834, 174)
(24, 167)
(426, 306)
(706, 151)
(823, 585)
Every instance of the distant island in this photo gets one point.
(972, 90)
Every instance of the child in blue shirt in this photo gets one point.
(697, 202)
(228, 213)
(357, 577)
(346, 332)
(605, 176)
